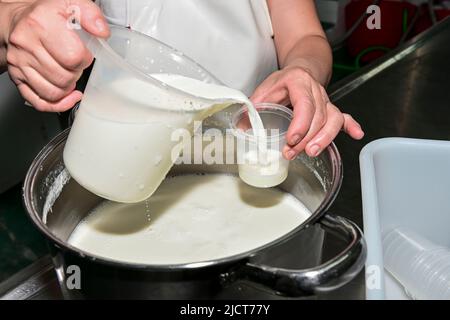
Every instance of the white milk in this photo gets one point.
(120, 144)
(270, 173)
(189, 219)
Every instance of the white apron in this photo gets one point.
(232, 39)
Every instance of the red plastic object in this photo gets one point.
(388, 35)
(424, 21)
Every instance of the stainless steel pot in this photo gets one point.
(286, 266)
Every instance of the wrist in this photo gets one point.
(313, 55)
(308, 68)
(317, 71)
(302, 65)
(8, 11)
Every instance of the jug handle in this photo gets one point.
(92, 43)
(326, 277)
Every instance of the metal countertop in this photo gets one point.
(405, 94)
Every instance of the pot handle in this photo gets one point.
(325, 277)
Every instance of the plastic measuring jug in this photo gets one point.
(121, 142)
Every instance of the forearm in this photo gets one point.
(300, 39)
(313, 54)
(8, 8)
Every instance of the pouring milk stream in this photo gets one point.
(120, 145)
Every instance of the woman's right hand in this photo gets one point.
(45, 57)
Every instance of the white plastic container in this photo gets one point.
(405, 182)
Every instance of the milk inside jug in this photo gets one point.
(138, 93)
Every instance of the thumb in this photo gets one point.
(263, 90)
(90, 17)
(271, 90)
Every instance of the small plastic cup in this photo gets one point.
(422, 267)
(262, 167)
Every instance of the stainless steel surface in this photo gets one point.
(324, 278)
(431, 40)
(406, 95)
(37, 281)
(313, 181)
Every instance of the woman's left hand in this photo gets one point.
(316, 120)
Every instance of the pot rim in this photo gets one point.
(32, 213)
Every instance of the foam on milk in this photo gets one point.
(120, 143)
(189, 219)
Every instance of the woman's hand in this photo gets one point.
(305, 58)
(45, 57)
(316, 120)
